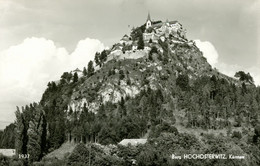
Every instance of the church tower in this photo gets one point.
(148, 21)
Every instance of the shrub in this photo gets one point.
(128, 81)
(50, 162)
(121, 75)
(183, 82)
(79, 156)
(4, 160)
(154, 50)
(236, 134)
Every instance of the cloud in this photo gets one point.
(254, 71)
(208, 50)
(212, 56)
(85, 52)
(230, 70)
(26, 68)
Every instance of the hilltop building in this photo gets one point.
(79, 72)
(154, 31)
(125, 40)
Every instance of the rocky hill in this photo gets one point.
(127, 70)
(153, 83)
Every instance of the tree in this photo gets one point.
(107, 135)
(35, 133)
(160, 57)
(121, 74)
(103, 56)
(90, 68)
(97, 60)
(154, 50)
(213, 84)
(75, 77)
(137, 32)
(244, 77)
(66, 76)
(236, 134)
(150, 56)
(165, 58)
(7, 137)
(79, 156)
(140, 43)
(122, 106)
(257, 134)
(101, 112)
(244, 89)
(21, 133)
(110, 72)
(85, 71)
(128, 81)
(183, 82)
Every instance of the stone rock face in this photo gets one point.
(126, 71)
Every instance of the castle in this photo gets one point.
(162, 30)
(154, 31)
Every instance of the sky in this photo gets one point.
(39, 40)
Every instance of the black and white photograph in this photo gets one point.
(129, 82)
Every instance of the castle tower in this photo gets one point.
(148, 21)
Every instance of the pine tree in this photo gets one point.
(85, 71)
(19, 136)
(97, 58)
(35, 133)
(103, 56)
(75, 77)
(101, 112)
(150, 56)
(122, 106)
(244, 77)
(90, 68)
(140, 43)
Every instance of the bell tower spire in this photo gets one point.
(148, 17)
(148, 21)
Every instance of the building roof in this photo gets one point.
(7, 152)
(124, 39)
(162, 23)
(77, 70)
(157, 25)
(133, 142)
(117, 47)
(174, 22)
(119, 44)
(125, 36)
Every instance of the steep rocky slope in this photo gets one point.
(126, 75)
